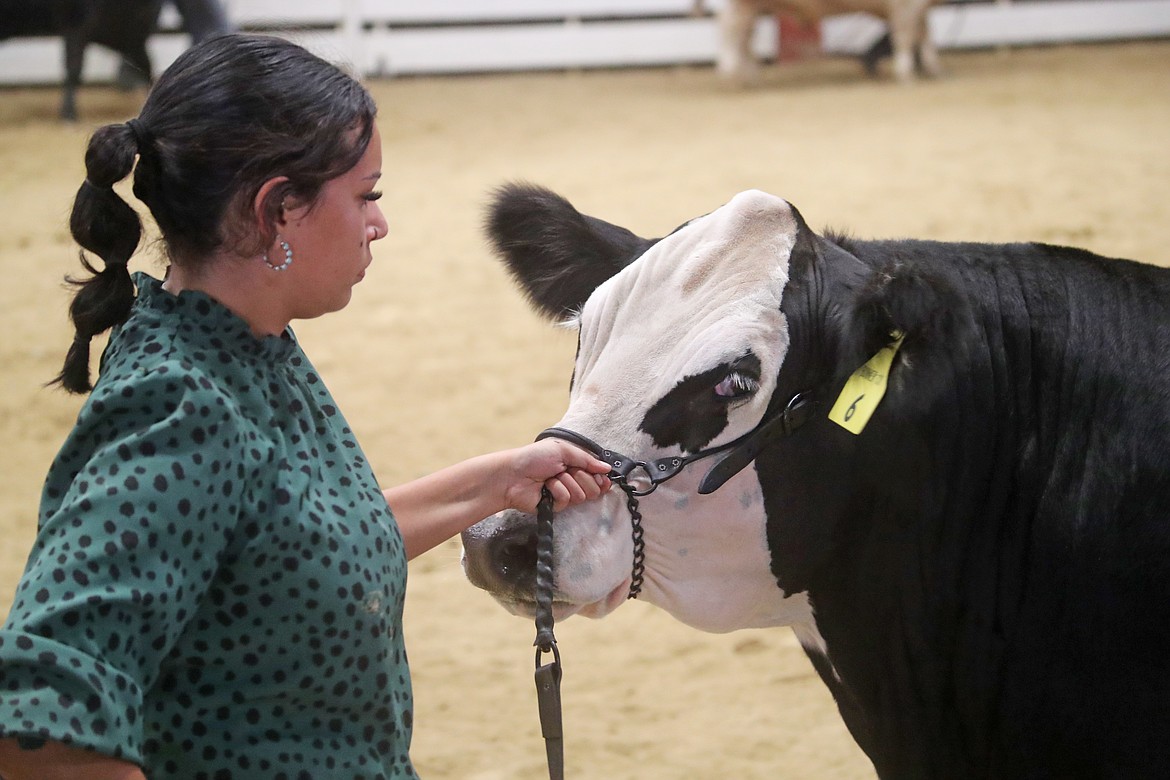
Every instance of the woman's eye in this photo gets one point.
(372, 196)
(736, 385)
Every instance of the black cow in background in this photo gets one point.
(120, 25)
(202, 19)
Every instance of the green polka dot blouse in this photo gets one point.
(217, 583)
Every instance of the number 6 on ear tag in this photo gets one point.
(863, 390)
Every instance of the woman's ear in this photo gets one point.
(268, 207)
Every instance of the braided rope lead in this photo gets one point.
(548, 676)
(544, 572)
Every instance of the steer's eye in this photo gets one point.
(736, 385)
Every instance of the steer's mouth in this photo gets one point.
(499, 556)
(525, 606)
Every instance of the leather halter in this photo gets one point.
(641, 478)
(741, 452)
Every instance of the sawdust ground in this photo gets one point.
(438, 358)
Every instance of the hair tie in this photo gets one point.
(142, 137)
(82, 341)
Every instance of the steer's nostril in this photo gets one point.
(515, 556)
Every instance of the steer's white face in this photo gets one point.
(679, 352)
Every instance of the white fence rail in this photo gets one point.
(399, 37)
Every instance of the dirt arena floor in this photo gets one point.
(438, 357)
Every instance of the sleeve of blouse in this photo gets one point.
(138, 508)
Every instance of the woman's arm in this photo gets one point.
(434, 508)
(22, 759)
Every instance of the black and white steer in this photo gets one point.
(981, 575)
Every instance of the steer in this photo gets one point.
(978, 566)
(906, 20)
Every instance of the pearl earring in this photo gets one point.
(287, 256)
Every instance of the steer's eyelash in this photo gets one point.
(736, 385)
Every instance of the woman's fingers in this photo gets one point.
(575, 486)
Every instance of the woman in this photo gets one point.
(216, 587)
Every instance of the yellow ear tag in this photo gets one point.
(863, 391)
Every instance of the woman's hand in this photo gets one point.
(432, 509)
(570, 473)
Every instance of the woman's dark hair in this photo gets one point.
(227, 116)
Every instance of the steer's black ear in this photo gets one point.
(556, 254)
(925, 306)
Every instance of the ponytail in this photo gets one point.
(108, 227)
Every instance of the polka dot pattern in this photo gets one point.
(217, 583)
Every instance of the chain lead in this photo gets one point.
(638, 571)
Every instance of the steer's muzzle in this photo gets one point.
(499, 556)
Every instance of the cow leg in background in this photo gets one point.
(880, 49)
(129, 78)
(137, 59)
(928, 60)
(75, 42)
(203, 19)
(902, 29)
(134, 71)
(910, 37)
(736, 62)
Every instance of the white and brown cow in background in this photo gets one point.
(906, 20)
(980, 573)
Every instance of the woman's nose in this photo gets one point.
(378, 227)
